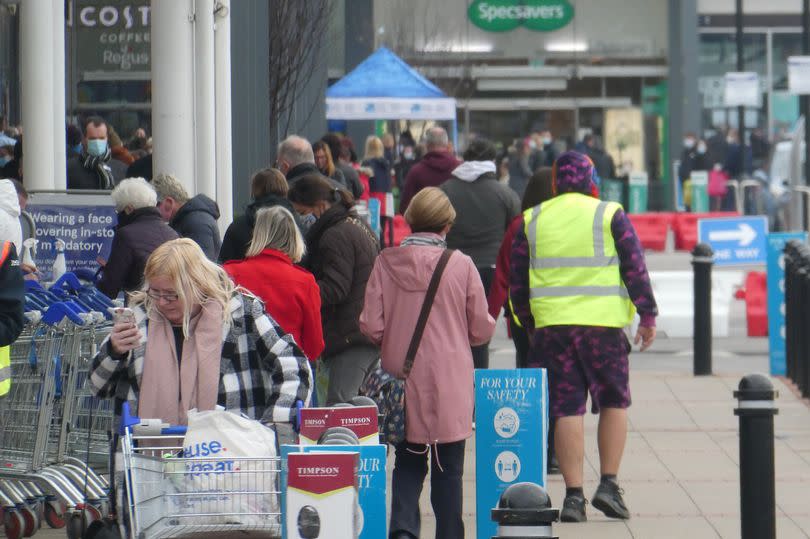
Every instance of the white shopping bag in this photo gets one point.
(229, 472)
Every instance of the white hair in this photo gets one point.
(135, 193)
(296, 150)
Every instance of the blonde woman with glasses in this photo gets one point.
(197, 342)
(290, 293)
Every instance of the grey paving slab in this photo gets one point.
(672, 528)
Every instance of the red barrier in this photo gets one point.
(684, 226)
(756, 304)
(652, 228)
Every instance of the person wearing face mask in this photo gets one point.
(139, 232)
(95, 168)
(73, 141)
(341, 250)
(688, 155)
(10, 157)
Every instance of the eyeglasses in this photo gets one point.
(166, 297)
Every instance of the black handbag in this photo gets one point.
(388, 391)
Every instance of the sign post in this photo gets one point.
(742, 89)
(799, 75)
(511, 418)
(735, 240)
(700, 191)
(638, 192)
(776, 298)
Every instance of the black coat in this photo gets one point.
(136, 236)
(197, 220)
(141, 168)
(79, 177)
(351, 178)
(300, 170)
(240, 232)
(342, 250)
(12, 297)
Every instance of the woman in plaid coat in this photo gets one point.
(196, 342)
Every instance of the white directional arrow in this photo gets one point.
(743, 235)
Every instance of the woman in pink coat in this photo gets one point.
(439, 389)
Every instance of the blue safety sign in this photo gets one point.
(776, 298)
(511, 419)
(735, 240)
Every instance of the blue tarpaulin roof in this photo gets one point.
(384, 74)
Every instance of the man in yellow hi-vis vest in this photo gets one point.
(577, 279)
(12, 300)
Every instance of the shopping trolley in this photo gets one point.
(41, 478)
(169, 495)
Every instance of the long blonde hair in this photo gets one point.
(275, 228)
(196, 279)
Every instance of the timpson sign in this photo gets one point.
(111, 36)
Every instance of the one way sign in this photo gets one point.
(735, 240)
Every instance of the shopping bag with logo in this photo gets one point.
(230, 469)
(387, 391)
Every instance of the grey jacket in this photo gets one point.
(484, 208)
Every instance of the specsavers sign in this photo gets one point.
(506, 15)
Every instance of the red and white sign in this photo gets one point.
(362, 420)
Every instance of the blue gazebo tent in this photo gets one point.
(384, 87)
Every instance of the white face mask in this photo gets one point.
(689, 143)
(701, 148)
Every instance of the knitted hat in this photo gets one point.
(573, 173)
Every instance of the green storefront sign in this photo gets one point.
(638, 183)
(111, 37)
(506, 15)
(700, 191)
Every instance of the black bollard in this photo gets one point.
(756, 408)
(524, 511)
(792, 307)
(702, 261)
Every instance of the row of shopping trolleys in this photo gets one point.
(54, 435)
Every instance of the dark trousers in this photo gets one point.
(446, 489)
(481, 353)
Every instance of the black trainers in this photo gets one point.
(608, 499)
(573, 509)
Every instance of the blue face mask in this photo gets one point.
(78, 148)
(307, 220)
(4, 161)
(97, 147)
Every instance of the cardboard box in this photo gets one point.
(371, 478)
(321, 494)
(362, 420)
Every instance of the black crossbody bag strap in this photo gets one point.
(425, 312)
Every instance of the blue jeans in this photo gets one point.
(446, 488)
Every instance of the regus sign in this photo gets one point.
(506, 15)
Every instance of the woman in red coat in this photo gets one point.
(290, 293)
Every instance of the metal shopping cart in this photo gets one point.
(41, 478)
(170, 495)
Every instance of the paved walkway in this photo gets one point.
(681, 471)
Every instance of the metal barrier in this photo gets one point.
(804, 207)
(797, 314)
(758, 204)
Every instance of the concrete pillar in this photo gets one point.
(224, 157)
(173, 90)
(684, 99)
(59, 113)
(204, 105)
(36, 92)
(250, 72)
(359, 44)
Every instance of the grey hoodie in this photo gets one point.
(484, 208)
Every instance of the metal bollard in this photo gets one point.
(524, 510)
(756, 408)
(792, 307)
(702, 262)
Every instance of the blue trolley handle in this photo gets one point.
(155, 426)
(299, 405)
